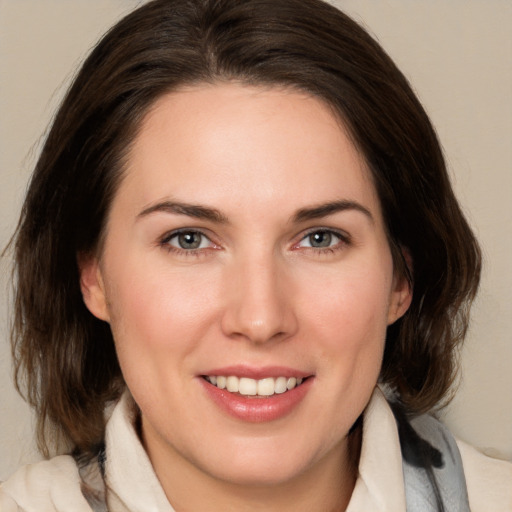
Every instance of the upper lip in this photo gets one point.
(253, 372)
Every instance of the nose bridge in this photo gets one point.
(258, 307)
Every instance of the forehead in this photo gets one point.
(260, 145)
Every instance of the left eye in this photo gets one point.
(189, 240)
(320, 239)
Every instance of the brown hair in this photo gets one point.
(65, 358)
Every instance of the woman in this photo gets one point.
(241, 222)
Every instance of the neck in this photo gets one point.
(326, 485)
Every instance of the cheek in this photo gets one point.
(348, 329)
(350, 307)
(147, 295)
(154, 312)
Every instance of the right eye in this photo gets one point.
(187, 240)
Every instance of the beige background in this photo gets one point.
(458, 56)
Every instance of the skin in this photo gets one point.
(255, 292)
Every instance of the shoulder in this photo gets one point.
(459, 470)
(52, 485)
(489, 481)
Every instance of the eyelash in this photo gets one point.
(344, 240)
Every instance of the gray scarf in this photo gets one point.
(433, 474)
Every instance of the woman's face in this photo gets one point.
(246, 247)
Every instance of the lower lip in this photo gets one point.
(257, 410)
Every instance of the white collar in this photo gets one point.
(132, 485)
(380, 484)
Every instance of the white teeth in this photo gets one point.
(266, 387)
(247, 386)
(251, 387)
(232, 384)
(291, 383)
(280, 385)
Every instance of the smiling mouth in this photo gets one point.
(254, 388)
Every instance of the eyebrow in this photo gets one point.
(214, 215)
(190, 210)
(330, 208)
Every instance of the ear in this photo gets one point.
(93, 287)
(401, 295)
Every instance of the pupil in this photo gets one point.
(189, 240)
(320, 239)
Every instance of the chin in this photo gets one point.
(260, 466)
(258, 475)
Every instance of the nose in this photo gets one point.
(259, 304)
